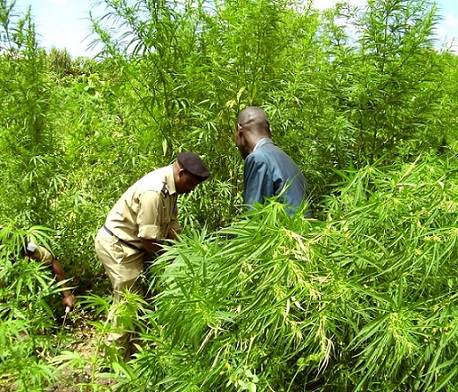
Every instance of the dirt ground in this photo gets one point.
(92, 373)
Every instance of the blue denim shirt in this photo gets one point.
(268, 171)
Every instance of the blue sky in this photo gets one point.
(65, 23)
(62, 23)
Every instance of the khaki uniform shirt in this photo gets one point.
(42, 255)
(147, 210)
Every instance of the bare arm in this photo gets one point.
(173, 235)
(154, 247)
(69, 299)
(43, 255)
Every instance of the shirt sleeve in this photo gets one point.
(42, 255)
(151, 218)
(257, 181)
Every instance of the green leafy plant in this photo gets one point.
(26, 315)
(361, 301)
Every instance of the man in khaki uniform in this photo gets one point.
(142, 219)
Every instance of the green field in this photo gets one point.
(359, 298)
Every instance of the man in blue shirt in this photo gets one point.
(269, 171)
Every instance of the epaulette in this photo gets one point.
(165, 189)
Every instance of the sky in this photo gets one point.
(65, 24)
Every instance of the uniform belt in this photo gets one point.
(123, 241)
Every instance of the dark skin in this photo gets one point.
(185, 182)
(68, 299)
(252, 126)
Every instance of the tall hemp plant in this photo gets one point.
(396, 249)
(364, 300)
(29, 148)
(446, 107)
(305, 122)
(388, 78)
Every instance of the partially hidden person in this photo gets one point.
(43, 255)
(268, 170)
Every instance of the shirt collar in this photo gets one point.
(170, 180)
(260, 142)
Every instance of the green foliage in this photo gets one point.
(447, 103)
(26, 314)
(27, 144)
(360, 299)
(388, 81)
(397, 244)
(60, 62)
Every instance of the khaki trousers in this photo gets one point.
(123, 265)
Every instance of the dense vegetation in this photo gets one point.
(361, 298)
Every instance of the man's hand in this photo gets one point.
(69, 300)
(153, 247)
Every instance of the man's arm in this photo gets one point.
(42, 255)
(150, 220)
(174, 229)
(69, 299)
(153, 247)
(258, 183)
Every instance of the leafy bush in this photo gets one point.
(361, 301)
(27, 294)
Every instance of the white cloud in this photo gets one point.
(325, 4)
(439, 30)
(447, 33)
(61, 3)
(451, 20)
(72, 42)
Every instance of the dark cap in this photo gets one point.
(193, 164)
